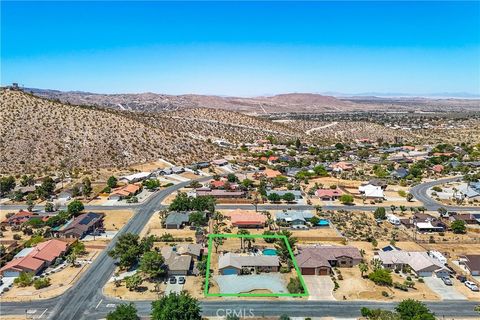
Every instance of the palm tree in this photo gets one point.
(242, 232)
(249, 241)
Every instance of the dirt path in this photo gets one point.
(321, 127)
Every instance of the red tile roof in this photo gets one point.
(49, 250)
(248, 219)
(46, 251)
(328, 193)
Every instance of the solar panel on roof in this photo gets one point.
(88, 218)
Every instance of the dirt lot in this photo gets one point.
(146, 291)
(116, 219)
(354, 287)
(362, 226)
(60, 282)
(154, 227)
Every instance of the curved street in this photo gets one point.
(85, 300)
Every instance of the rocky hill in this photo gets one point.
(40, 134)
(295, 102)
(282, 103)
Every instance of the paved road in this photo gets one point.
(86, 293)
(420, 193)
(86, 301)
(347, 309)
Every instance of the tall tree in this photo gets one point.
(151, 264)
(124, 312)
(126, 250)
(411, 309)
(75, 207)
(86, 187)
(112, 182)
(176, 307)
(133, 282)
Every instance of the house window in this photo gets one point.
(343, 262)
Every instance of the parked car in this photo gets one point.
(461, 278)
(181, 280)
(447, 281)
(173, 280)
(471, 285)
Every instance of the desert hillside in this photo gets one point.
(282, 103)
(38, 134)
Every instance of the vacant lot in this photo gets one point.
(116, 219)
(354, 287)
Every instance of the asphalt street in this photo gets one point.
(85, 299)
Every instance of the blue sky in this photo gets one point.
(246, 49)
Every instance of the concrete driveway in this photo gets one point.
(177, 288)
(246, 283)
(445, 292)
(319, 287)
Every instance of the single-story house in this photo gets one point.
(328, 194)
(424, 223)
(293, 217)
(177, 220)
(371, 192)
(341, 166)
(399, 173)
(466, 217)
(200, 165)
(25, 190)
(35, 259)
(125, 191)
(176, 264)
(23, 216)
(281, 193)
(319, 260)
(249, 220)
(191, 249)
(220, 194)
(420, 262)
(472, 263)
(468, 192)
(80, 226)
(378, 183)
(232, 264)
(267, 173)
(18, 218)
(136, 177)
(220, 162)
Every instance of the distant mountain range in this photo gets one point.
(381, 95)
(282, 103)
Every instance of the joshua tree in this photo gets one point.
(363, 268)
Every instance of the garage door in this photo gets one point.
(308, 271)
(323, 272)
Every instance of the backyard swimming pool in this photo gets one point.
(323, 223)
(269, 252)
